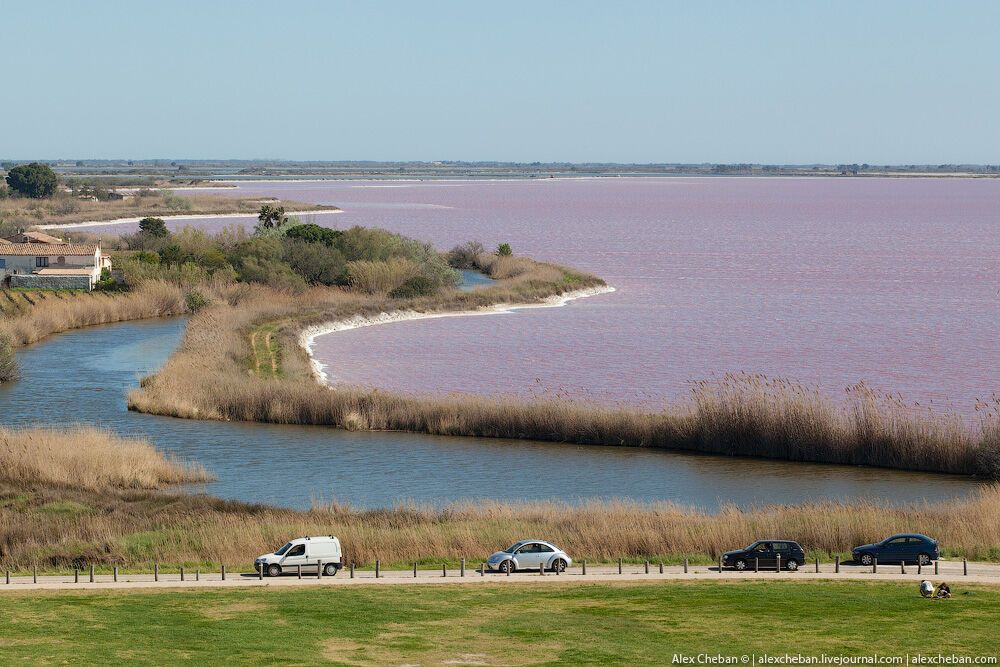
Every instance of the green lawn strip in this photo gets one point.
(497, 625)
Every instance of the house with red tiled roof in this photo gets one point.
(45, 265)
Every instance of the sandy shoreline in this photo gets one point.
(309, 335)
(169, 218)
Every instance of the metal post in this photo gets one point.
(182, 573)
(299, 569)
(352, 569)
(777, 564)
(462, 568)
(920, 566)
(156, 572)
(965, 567)
(482, 570)
(585, 567)
(817, 563)
(8, 576)
(223, 572)
(91, 573)
(444, 569)
(510, 566)
(34, 574)
(902, 567)
(378, 569)
(260, 572)
(756, 564)
(619, 566)
(720, 564)
(685, 566)
(647, 567)
(836, 564)
(541, 569)
(414, 570)
(116, 573)
(197, 574)
(935, 567)
(874, 565)
(319, 570)
(76, 576)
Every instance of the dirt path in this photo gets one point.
(952, 572)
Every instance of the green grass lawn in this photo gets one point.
(495, 625)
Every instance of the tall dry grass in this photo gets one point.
(45, 315)
(86, 458)
(137, 529)
(8, 363)
(381, 277)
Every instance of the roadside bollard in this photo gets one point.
(619, 566)
(874, 565)
(182, 573)
(685, 566)
(34, 574)
(223, 573)
(8, 576)
(777, 564)
(461, 568)
(756, 564)
(647, 567)
(197, 574)
(299, 570)
(720, 564)
(836, 564)
(414, 570)
(156, 572)
(555, 568)
(661, 567)
(116, 574)
(920, 566)
(902, 567)
(541, 569)
(935, 567)
(585, 568)
(319, 570)
(482, 570)
(965, 567)
(260, 572)
(352, 569)
(817, 564)
(91, 574)
(510, 566)
(76, 576)
(444, 569)
(378, 569)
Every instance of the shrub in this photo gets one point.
(464, 256)
(154, 227)
(504, 250)
(176, 202)
(147, 257)
(414, 287)
(195, 300)
(311, 233)
(318, 263)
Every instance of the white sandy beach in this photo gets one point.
(308, 336)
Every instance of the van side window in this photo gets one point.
(297, 550)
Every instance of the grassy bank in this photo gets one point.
(496, 625)
(66, 209)
(83, 497)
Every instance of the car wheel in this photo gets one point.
(924, 559)
(559, 565)
(792, 565)
(330, 570)
(866, 559)
(740, 565)
(274, 570)
(506, 566)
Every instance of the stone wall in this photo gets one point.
(30, 281)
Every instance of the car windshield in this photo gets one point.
(513, 547)
(751, 546)
(282, 550)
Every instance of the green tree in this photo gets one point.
(504, 250)
(154, 227)
(34, 180)
(271, 217)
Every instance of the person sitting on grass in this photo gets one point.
(943, 591)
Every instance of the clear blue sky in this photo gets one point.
(773, 82)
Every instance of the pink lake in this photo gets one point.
(823, 281)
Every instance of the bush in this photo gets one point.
(318, 263)
(154, 227)
(176, 202)
(195, 300)
(464, 256)
(34, 180)
(414, 287)
(504, 250)
(311, 233)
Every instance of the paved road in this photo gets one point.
(948, 571)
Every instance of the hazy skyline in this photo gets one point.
(767, 82)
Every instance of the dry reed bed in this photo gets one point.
(89, 459)
(135, 530)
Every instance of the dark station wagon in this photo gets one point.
(905, 548)
(765, 554)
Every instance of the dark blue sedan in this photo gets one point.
(903, 548)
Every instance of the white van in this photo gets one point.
(309, 552)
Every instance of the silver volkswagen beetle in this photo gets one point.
(530, 555)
